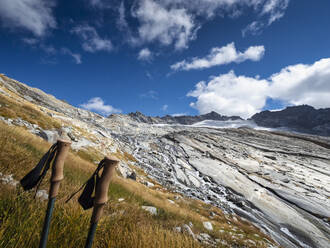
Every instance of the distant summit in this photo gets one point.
(184, 119)
(303, 118)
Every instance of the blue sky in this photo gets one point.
(236, 57)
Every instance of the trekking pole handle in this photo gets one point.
(57, 169)
(101, 194)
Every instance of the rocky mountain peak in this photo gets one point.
(303, 118)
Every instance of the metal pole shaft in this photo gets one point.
(55, 181)
(91, 234)
(45, 229)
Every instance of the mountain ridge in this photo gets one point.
(302, 118)
(182, 119)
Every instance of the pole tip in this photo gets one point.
(111, 158)
(61, 140)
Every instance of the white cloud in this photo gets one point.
(92, 42)
(165, 25)
(76, 57)
(273, 9)
(229, 94)
(220, 56)
(145, 54)
(303, 84)
(244, 96)
(97, 104)
(176, 22)
(150, 94)
(165, 107)
(35, 16)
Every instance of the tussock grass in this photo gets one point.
(22, 109)
(124, 223)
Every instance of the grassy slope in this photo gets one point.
(124, 223)
(21, 216)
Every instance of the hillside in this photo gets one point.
(256, 188)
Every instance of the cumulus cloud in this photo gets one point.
(303, 84)
(97, 104)
(220, 56)
(35, 16)
(76, 57)
(165, 25)
(145, 54)
(230, 94)
(92, 42)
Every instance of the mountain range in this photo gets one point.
(303, 119)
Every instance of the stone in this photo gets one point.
(8, 179)
(132, 176)
(208, 225)
(42, 194)
(149, 184)
(188, 230)
(150, 209)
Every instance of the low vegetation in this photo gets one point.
(13, 109)
(124, 224)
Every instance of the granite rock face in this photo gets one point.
(279, 181)
(304, 118)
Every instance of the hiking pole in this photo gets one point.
(101, 196)
(63, 147)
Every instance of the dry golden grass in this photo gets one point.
(21, 217)
(125, 224)
(13, 109)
